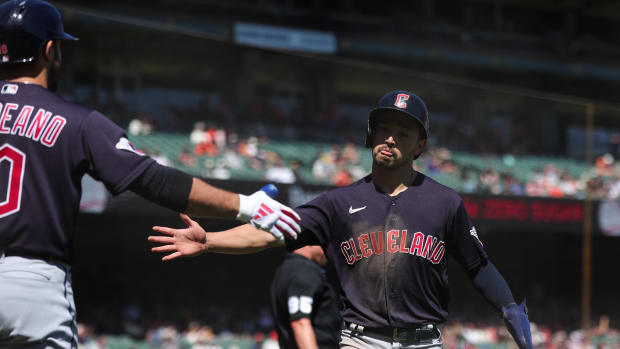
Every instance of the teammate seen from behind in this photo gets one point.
(388, 236)
(46, 146)
(304, 305)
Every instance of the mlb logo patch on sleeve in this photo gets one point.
(9, 89)
(125, 144)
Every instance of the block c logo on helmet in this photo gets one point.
(401, 99)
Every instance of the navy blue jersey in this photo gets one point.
(46, 146)
(390, 253)
(300, 290)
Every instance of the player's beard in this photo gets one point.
(396, 161)
(53, 76)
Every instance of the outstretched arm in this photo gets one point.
(490, 283)
(193, 240)
(183, 193)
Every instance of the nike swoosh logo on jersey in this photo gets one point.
(353, 210)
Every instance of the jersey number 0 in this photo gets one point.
(17, 163)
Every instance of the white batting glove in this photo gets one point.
(269, 215)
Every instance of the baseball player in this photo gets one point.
(388, 236)
(303, 303)
(46, 146)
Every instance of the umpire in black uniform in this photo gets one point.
(303, 303)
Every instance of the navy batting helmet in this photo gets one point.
(402, 101)
(25, 27)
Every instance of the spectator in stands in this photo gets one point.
(614, 189)
(208, 166)
(280, 173)
(323, 166)
(198, 133)
(439, 161)
(356, 170)
(202, 140)
(86, 337)
(490, 182)
(568, 185)
(434, 163)
(469, 179)
(208, 146)
(551, 180)
(341, 176)
(199, 336)
(605, 165)
(161, 158)
(248, 148)
(596, 188)
(232, 159)
(533, 188)
(166, 337)
(135, 127)
(295, 166)
(186, 158)
(349, 153)
(140, 126)
(221, 171)
(218, 136)
(449, 167)
(511, 185)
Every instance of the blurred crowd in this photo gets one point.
(219, 153)
(234, 142)
(456, 335)
(602, 181)
(224, 325)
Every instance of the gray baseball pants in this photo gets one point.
(37, 310)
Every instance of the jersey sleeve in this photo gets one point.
(111, 158)
(314, 223)
(463, 242)
(300, 294)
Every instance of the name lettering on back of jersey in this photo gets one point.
(9, 89)
(353, 210)
(394, 241)
(125, 144)
(41, 126)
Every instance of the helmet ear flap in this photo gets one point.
(368, 140)
(369, 133)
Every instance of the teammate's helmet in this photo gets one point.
(402, 101)
(25, 27)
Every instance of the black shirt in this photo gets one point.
(390, 252)
(301, 290)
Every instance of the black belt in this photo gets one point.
(425, 333)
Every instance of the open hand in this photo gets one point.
(188, 242)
